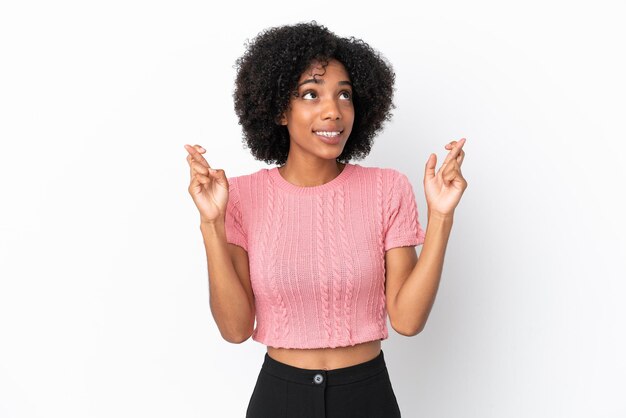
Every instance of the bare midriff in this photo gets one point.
(326, 358)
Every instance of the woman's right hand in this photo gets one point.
(209, 190)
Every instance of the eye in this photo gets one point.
(347, 94)
(306, 93)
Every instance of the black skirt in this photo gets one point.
(360, 391)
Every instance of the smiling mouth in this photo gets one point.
(328, 134)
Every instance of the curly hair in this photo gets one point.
(268, 73)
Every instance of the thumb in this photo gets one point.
(431, 163)
(219, 176)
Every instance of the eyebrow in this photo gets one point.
(311, 80)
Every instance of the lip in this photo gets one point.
(330, 141)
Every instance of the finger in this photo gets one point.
(450, 172)
(455, 151)
(196, 156)
(193, 183)
(197, 147)
(204, 180)
(450, 145)
(197, 180)
(190, 160)
(461, 155)
(431, 163)
(199, 168)
(459, 158)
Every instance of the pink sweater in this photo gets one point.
(317, 254)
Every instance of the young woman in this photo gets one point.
(320, 250)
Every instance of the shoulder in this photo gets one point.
(245, 179)
(386, 175)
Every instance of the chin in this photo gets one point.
(330, 155)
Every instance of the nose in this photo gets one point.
(330, 110)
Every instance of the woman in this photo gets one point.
(318, 250)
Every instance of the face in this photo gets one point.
(321, 114)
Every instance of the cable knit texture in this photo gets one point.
(317, 254)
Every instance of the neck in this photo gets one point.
(307, 174)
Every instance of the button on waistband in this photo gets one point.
(331, 377)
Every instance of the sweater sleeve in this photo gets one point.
(403, 228)
(233, 221)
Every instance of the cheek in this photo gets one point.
(348, 107)
(349, 113)
(297, 112)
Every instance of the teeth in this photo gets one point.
(329, 134)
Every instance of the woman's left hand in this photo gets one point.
(444, 189)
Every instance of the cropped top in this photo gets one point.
(317, 254)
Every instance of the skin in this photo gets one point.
(323, 103)
(410, 284)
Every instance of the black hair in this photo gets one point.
(268, 73)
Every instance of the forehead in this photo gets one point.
(324, 69)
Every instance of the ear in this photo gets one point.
(281, 120)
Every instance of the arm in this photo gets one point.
(231, 297)
(415, 293)
(411, 297)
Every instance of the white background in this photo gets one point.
(104, 306)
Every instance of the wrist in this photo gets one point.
(211, 224)
(434, 215)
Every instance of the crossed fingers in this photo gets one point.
(456, 153)
(196, 160)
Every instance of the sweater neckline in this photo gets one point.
(290, 187)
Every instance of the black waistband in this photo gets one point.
(332, 377)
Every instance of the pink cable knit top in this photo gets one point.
(317, 254)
